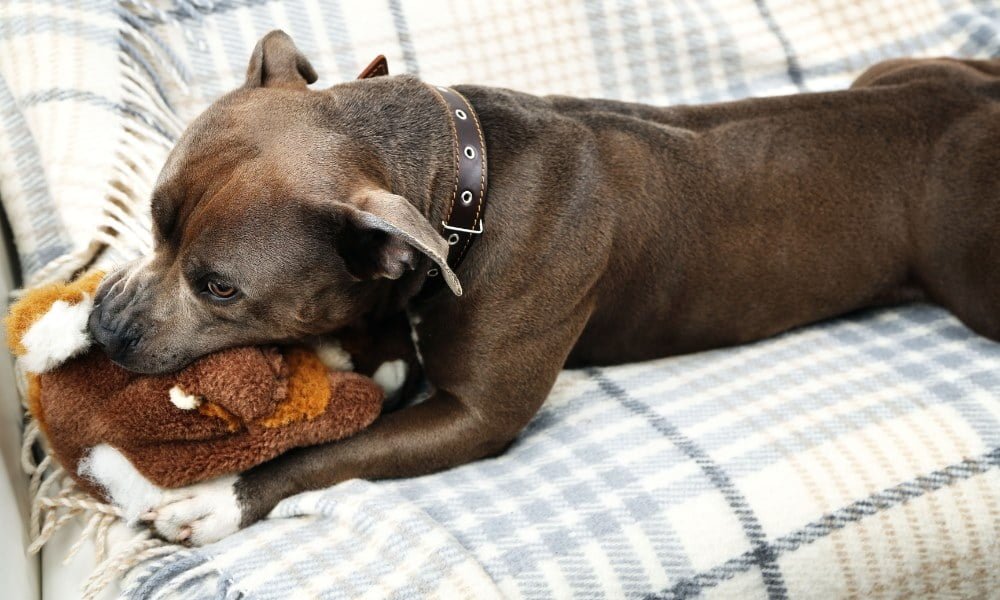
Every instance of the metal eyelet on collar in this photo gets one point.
(470, 152)
(433, 273)
(461, 114)
(466, 197)
(453, 239)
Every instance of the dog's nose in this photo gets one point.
(116, 341)
(118, 346)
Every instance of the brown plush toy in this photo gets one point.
(222, 414)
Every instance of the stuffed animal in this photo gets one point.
(224, 413)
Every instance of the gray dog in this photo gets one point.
(614, 232)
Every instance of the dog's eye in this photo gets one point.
(220, 291)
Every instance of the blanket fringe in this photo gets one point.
(57, 501)
(149, 129)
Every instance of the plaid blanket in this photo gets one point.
(850, 459)
(853, 459)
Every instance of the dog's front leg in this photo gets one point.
(436, 434)
(439, 433)
(488, 386)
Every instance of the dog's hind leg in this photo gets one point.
(976, 299)
(956, 226)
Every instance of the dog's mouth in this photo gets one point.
(143, 368)
(131, 367)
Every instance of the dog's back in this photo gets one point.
(726, 223)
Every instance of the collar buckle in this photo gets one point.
(479, 228)
(463, 219)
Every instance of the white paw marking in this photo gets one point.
(333, 356)
(200, 514)
(183, 400)
(391, 375)
(58, 335)
(125, 486)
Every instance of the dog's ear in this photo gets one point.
(380, 234)
(276, 62)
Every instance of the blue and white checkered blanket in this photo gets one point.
(854, 458)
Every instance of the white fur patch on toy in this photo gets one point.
(57, 336)
(125, 486)
(390, 376)
(200, 513)
(184, 400)
(334, 357)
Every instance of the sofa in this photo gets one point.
(19, 571)
(854, 458)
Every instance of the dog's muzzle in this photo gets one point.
(115, 323)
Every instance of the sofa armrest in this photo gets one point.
(18, 570)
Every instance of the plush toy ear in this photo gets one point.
(244, 381)
(382, 233)
(276, 62)
(48, 324)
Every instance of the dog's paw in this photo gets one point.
(198, 514)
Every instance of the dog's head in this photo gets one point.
(270, 224)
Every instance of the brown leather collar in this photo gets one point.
(463, 219)
(376, 68)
